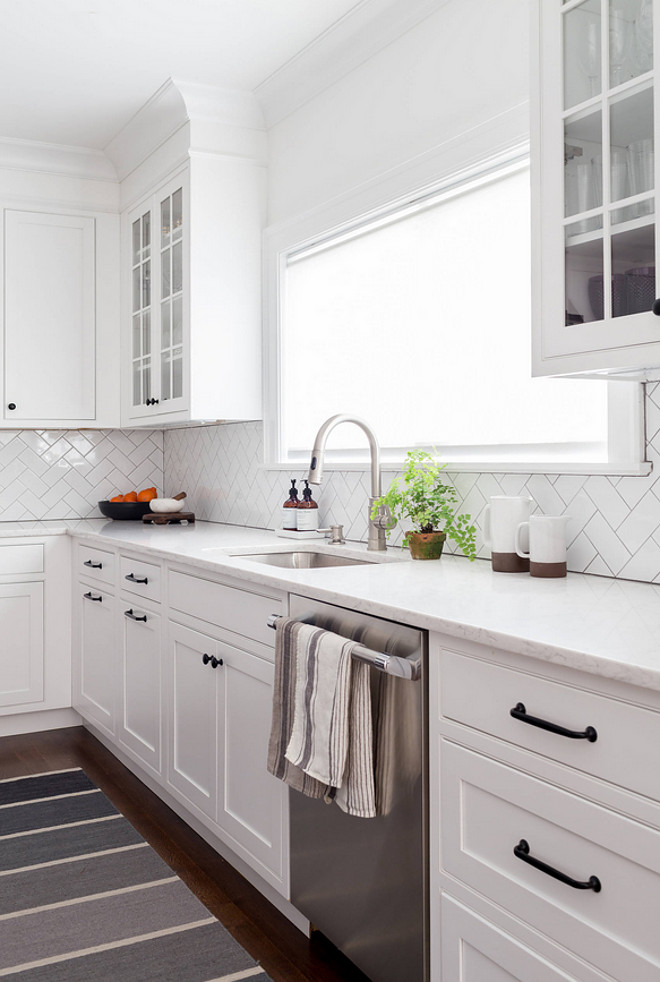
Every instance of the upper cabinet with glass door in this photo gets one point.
(594, 188)
(192, 339)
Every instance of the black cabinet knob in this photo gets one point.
(216, 661)
(12, 405)
(655, 308)
(206, 658)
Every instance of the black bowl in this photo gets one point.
(124, 511)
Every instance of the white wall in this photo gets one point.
(465, 66)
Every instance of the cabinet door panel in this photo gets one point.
(21, 643)
(251, 800)
(49, 316)
(193, 718)
(140, 721)
(95, 699)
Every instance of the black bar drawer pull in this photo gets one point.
(93, 565)
(135, 579)
(519, 712)
(134, 617)
(88, 596)
(521, 851)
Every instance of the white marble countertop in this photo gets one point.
(605, 626)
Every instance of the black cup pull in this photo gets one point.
(216, 661)
(12, 405)
(206, 658)
(90, 596)
(135, 579)
(655, 308)
(135, 617)
(519, 712)
(92, 565)
(521, 851)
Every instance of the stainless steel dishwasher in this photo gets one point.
(362, 882)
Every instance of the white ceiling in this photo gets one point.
(73, 72)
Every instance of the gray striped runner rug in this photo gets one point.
(83, 898)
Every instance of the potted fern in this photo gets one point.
(421, 496)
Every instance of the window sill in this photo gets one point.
(625, 469)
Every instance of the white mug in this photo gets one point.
(502, 516)
(547, 544)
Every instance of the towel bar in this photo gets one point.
(403, 668)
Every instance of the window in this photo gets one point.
(418, 320)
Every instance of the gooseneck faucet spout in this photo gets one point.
(378, 525)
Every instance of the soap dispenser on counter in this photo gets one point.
(289, 509)
(307, 514)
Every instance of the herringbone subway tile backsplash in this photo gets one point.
(57, 474)
(615, 521)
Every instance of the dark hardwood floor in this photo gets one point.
(283, 951)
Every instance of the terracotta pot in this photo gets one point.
(426, 545)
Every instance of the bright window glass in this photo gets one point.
(419, 322)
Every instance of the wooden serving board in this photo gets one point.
(169, 517)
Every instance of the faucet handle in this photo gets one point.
(384, 518)
(336, 534)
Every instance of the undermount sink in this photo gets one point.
(303, 560)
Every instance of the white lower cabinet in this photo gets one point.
(545, 821)
(219, 715)
(139, 723)
(21, 643)
(94, 684)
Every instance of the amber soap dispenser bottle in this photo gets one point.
(289, 509)
(307, 515)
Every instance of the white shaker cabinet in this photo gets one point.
(97, 662)
(191, 258)
(21, 643)
(61, 309)
(595, 175)
(139, 723)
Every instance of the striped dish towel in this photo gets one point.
(286, 631)
(332, 733)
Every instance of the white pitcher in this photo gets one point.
(502, 516)
(547, 544)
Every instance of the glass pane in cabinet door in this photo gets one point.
(177, 321)
(146, 232)
(641, 57)
(165, 227)
(632, 157)
(137, 288)
(630, 39)
(165, 374)
(165, 277)
(165, 325)
(583, 164)
(177, 267)
(146, 333)
(585, 299)
(633, 265)
(177, 212)
(146, 382)
(136, 241)
(146, 284)
(136, 346)
(177, 373)
(582, 53)
(137, 383)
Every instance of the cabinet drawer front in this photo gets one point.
(234, 609)
(141, 578)
(489, 808)
(96, 563)
(481, 695)
(28, 558)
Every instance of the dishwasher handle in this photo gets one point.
(402, 668)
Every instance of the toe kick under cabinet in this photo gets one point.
(545, 821)
(174, 671)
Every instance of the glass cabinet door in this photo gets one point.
(609, 159)
(141, 357)
(171, 296)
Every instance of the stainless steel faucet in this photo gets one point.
(383, 520)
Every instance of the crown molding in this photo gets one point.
(221, 114)
(359, 35)
(56, 159)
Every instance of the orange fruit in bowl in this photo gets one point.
(131, 496)
(117, 497)
(147, 494)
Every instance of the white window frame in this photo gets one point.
(348, 216)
